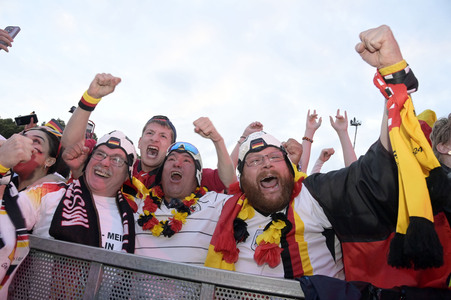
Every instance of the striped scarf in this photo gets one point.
(415, 241)
(223, 253)
(10, 209)
(77, 221)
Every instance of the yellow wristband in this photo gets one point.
(393, 68)
(3, 170)
(90, 99)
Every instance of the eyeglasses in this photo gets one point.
(115, 160)
(184, 147)
(256, 160)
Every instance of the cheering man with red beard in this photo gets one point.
(281, 223)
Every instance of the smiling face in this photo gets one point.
(268, 186)
(40, 160)
(178, 179)
(102, 177)
(153, 145)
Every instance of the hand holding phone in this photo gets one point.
(7, 36)
(25, 120)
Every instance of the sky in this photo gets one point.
(232, 61)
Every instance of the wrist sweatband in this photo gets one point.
(400, 73)
(87, 102)
(3, 170)
(5, 175)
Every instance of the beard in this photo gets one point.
(265, 202)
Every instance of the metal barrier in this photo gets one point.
(61, 270)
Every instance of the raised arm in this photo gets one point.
(341, 127)
(74, 133)
(324, 156)
(226, 169)
(379, 48)
(311, 125)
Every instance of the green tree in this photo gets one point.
(8, 127)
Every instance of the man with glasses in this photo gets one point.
(281, 223)
(90, 209)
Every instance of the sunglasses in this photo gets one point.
(183, 146)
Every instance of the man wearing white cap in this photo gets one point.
(281, 224)
(104, 218)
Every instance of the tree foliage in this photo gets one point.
(8, 127)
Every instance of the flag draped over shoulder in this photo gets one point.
(415, 241)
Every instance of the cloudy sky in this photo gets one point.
(232, 61)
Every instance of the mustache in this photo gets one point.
(106, 171)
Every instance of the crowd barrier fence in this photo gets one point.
(60, 270)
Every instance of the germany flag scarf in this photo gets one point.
(415, 242)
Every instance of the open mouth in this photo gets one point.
(176, 176)
(102, 173)
(269, 182)
(152, 151)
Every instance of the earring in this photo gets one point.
(449, 152)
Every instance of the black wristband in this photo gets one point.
(83, 106)
(405, 77)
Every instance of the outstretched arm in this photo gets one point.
(312, 124)
(251, 128)
(226, 170)
(379, 48)
(74, 133)
(341, 127)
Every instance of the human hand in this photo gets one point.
(313, 123)
(294, 150)
(18, 148)
(31, 124)
(103, 84)
(5, 38)
(205, 128)
(75, 157)
(326, 154)
(378, 47)
(253, 127)
(341, 122)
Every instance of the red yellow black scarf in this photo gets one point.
(223, 252)
(416, 242)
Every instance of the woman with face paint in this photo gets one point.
(45, 163)
(26, 160)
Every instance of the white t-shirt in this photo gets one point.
(190, 244)
(110, 222)
(317, 258)
(39, 204)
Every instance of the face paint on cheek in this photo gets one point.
(26, 167)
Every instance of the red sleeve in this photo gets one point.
(211, 180)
